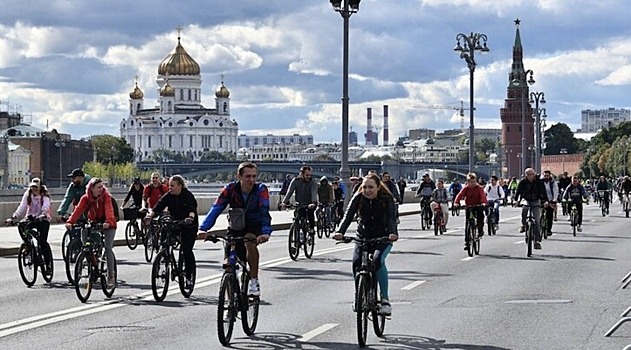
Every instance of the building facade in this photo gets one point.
(179, 124)
(269, 139)
(593, 120)
(515, 113)
(19, 163)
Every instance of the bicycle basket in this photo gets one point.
(130, 213)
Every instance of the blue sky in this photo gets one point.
(72, 63)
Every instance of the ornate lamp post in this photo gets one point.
(563, 151)
(517, 81)
(60, 144)
(473, 42)
(537, 98)
(345, 8)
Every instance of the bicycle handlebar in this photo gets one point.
(363, 241)
(216, 238)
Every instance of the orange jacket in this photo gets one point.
(472, 195)
(99, 209)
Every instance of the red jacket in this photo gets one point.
(99, 209)
(472, 195)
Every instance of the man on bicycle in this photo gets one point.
(552, 194)
(532, 191)
(253, 197)
(494, 196)
(576, 194)
(306, 194)
(425, 189)
(75, 190)
(473, 195)
(625, 189)
(338, 192)
(564, 182)
(326, 197)
(440, 198)
(605, 188)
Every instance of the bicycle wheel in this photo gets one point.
(471, 232)
(104, 274)
(476, 242)
(149, 244)
(436, 224)
(422, 222)
(309, 244)
(83, 277)
(249, 307)
(160, 274)
(65, 241)
(130, 236)
(530, 237)
(361, 308)
(294, 246)
(74, 249)
(378, 319)
(26, 264)
(181, 265)
(320, 224)
(47, 275)
(573, 222)
(226, 309)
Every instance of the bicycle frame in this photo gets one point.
(530, 227)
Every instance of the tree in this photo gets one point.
(112, 149)
(483, 148)
(558, 137)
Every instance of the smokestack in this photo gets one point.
(385, 125)
(368, 126)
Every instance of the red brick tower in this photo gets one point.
(516, 107)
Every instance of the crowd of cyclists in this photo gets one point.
(373, 203)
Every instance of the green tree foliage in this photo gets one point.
(560, 136)
(483, 148)
(110, 148)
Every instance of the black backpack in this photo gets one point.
(115, 207)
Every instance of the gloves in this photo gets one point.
(188, 220)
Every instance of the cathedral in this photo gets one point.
(179, 124)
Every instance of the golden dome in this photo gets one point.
(137, 94)
(178, 62)
(222, 91)
(167, 90)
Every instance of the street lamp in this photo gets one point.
(521, 158)
(473, 42)
(563, 151)
(60, 145)
(538, 97)
(517, 81)
(346, 10)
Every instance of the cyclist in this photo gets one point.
(387, 180)
(326, 197)
(425, 189)
(97, 203)
(74, 192)
(153, 191)
(604, 185)
(564, 182)
(374, 205)
(625, 188)
(532, 190)
(339, 201)
(36, 202)
(135, 193)
(504, 186)
(182, 206)
(441, 198)
(473, 195)
(552, 194)
(454, 189)
(494, 196)
(401, 184)
(254, 198)
(512, 187)
(306, 194)
(576, 194)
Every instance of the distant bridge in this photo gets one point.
(408, 170)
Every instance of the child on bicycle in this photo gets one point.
(440, 198)
(374, 205)
(494, 196)
(97, 202)
(475, 199)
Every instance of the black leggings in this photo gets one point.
(188, 238)
(43, 227)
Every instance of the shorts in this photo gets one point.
(240, 246)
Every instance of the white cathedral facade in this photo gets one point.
(179, 124)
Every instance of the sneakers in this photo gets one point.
(253, 288)
(522, 229)
(466, 246)
(579, 228)
(537, 245)
(386, 309)
(111, 281)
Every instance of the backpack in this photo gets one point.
(151, 188)
(115, 207)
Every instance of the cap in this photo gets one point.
(425, 175)
(76, 172)
(35, 182)
(353, 178)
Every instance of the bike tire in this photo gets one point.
(26, 265)
(65, 241)
(309, 245)
(471, 233)
(104, 273)
(378, 319)
(226, 309)
(530, 237)
(83, 277)
(47, 275)
(293, 246)
(320, 226)
(476, 244)
(181, 265)
(131, 237)
(74, 249)
(249, 307)
(361, 309)
(149, 244)
(160, 276)
(573, 221)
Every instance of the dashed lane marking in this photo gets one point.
(314, 333)
(413, 285)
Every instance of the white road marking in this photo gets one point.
(413, 285)
(468, 258)
(314, 333)
(519, 242)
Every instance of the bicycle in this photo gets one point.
(74, 248)
(626, 206)
(151, 239)
(165, 267)
(367, 297)
(574, 218)
(299, 235)
(530, 227)
(543, 224)
(439, 221)
(455, 209)
(133, 231)
(490, 218)
(471, 230)
(92, 263)
(30, 254)
(233, 293)
(323, 225)
(426, 214)
(604, 202)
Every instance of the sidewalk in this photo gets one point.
(281, 220)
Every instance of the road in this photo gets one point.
(564, 297)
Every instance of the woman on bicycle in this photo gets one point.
(97, 203)
(374, 205)
(36, 202)
(135, 193)
(182, 206)
(474, 196)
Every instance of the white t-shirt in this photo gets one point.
(493, 193)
